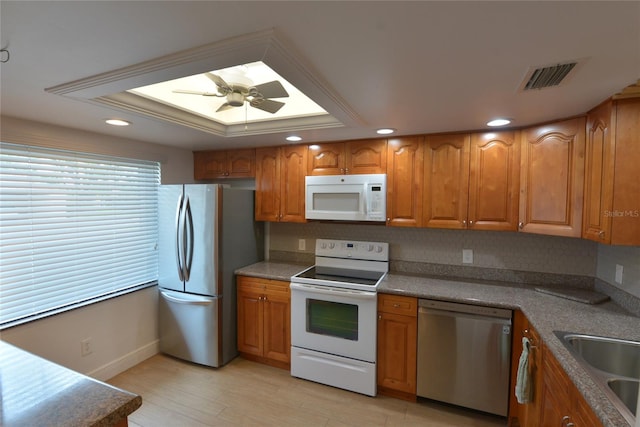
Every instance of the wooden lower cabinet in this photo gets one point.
(562, 403)
(397, 346)
(526, 414)
(264, 320)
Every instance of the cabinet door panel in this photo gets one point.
(293, 170)
(404, 182)
(552, 178)
(277, 314)
(267, 184)
(494, 181)
(209, 164)
(241, 163)
(625, 218)
(250, 323)
(397, 341)
(368, 156)
(327, 159)
(446, 177)
(599, 166)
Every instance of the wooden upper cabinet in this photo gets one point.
(224, 164)
(552, 178)
(280, 173)
(625, 215)
(599, 169)
(351, 157)
(366, 156)
(267, 203)
(327, 159)
(292, 172)
(404, 181)
(494, 176)
(446, 180)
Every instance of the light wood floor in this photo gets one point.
(245, 393)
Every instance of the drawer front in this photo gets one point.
(397, 304)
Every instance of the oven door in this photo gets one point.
(335, 321)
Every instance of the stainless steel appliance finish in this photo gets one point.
(206, 232)
(464, 354)
(333, 315)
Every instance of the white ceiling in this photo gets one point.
(420, 66)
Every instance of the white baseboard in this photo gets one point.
(125, 362)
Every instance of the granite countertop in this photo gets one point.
(37, 392)
(547, 313)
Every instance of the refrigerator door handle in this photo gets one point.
(188, 241)
(178, 245)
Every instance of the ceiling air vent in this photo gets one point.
(549, 76)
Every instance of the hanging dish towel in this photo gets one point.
(523, 382)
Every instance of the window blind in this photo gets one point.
(73, 227)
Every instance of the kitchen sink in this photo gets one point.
(627, 391)
(614, 365)
(613, 356)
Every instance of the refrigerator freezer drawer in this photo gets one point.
(189, 327)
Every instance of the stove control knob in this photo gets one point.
(332, 245)
(323, 245)
(370, 248)
(378, 249)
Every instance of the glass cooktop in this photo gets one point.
(340, 275)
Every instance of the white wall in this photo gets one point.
(123, 330)
(626, 256)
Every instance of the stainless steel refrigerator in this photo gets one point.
(206, 232)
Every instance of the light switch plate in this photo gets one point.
(467, 256)
(619, 270)
(302, 244)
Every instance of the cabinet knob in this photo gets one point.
(379, 316)
(470, 223)
(464, 222)
(346, 170)
(396, 305)
(521, 225)
(601, 234)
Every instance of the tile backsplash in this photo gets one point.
(497, 250)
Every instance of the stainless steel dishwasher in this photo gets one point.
(464, 354)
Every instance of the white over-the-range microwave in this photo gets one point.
(346, 197)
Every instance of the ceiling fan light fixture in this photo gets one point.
(117, 122)
(385, 131)
(498, 122)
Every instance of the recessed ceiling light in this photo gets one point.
(499, 122)
(294, 138)
(314, 147)
(117, 122)
(385, 131)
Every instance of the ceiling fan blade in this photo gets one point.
(194, 92)
(268, 105)
(219, 82)
(272, 89)
(224, 107)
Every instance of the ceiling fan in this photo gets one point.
(237, 94)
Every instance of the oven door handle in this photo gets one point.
(325, 290)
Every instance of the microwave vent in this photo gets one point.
(548, 76)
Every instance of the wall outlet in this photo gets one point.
(86, 347)
(619, 270)
(467, 256)
(302, 244)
